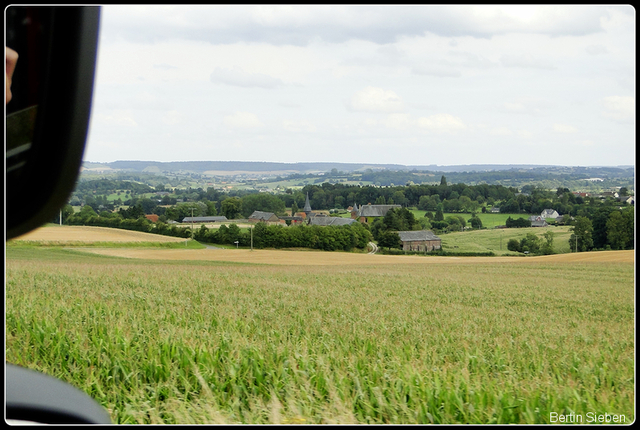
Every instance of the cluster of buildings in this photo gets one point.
(608, 194)
(540, 220)
(423, 240)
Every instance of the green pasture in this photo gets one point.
(489, 220)
(495, 240)
(193, 343)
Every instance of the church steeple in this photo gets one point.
(307, 206)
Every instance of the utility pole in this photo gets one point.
(60, 216)
(192, 221)
(187, 241)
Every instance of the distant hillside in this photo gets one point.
(268, 167)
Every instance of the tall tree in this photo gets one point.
(475, 222)
(547, 246)
(231, 207)
(582, 238)
(620, 229)
(390, 239)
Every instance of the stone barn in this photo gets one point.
(422, 240)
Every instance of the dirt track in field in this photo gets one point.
(72, 233)
(318, 258)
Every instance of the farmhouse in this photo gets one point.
(152, 217)
(423, 240)
(366, 213)
(549, 213)
(539, 223)
(627, 199)
(606, 194)
(266, 217)
(204, 219)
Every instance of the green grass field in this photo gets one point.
(206, 342)
(489, 220)
(495, 240)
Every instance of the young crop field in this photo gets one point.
(179, 341)
(196, 336)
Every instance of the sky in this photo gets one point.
(410, 85)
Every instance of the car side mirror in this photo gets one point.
(46, 128)
(48, 116)
(33, 397)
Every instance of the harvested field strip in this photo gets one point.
(318, 258)
(65, 234)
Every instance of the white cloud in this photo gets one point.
(619, 108)
(526, 61)
(118, 118)
(373, 99)
(587, 143)
(440, 72)
(596, 49)
(242, 120)
(563, 128)
(283, 24)
(237, 77)
(164, 66)
(299, 126)
(525, 134)
(399, 121)
(528, 105)
(443, 122)
(172, 118)
(500, 131)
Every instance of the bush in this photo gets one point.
(513, 245)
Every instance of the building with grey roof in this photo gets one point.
(365, 212)
(549, 213)
(539, 223)
(260, 216)
(204, 219)
(421, 240)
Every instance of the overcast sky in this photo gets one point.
(412, 85)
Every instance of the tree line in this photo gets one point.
(600, 223)
(448, 198)
(326, 238)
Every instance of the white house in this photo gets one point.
(549, 213)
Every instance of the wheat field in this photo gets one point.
(56, 235)
(189, 341)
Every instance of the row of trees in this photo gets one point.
(456, 198)
(329, 238)
(606, 228)
(87, 216)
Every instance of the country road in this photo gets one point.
(374, 248)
